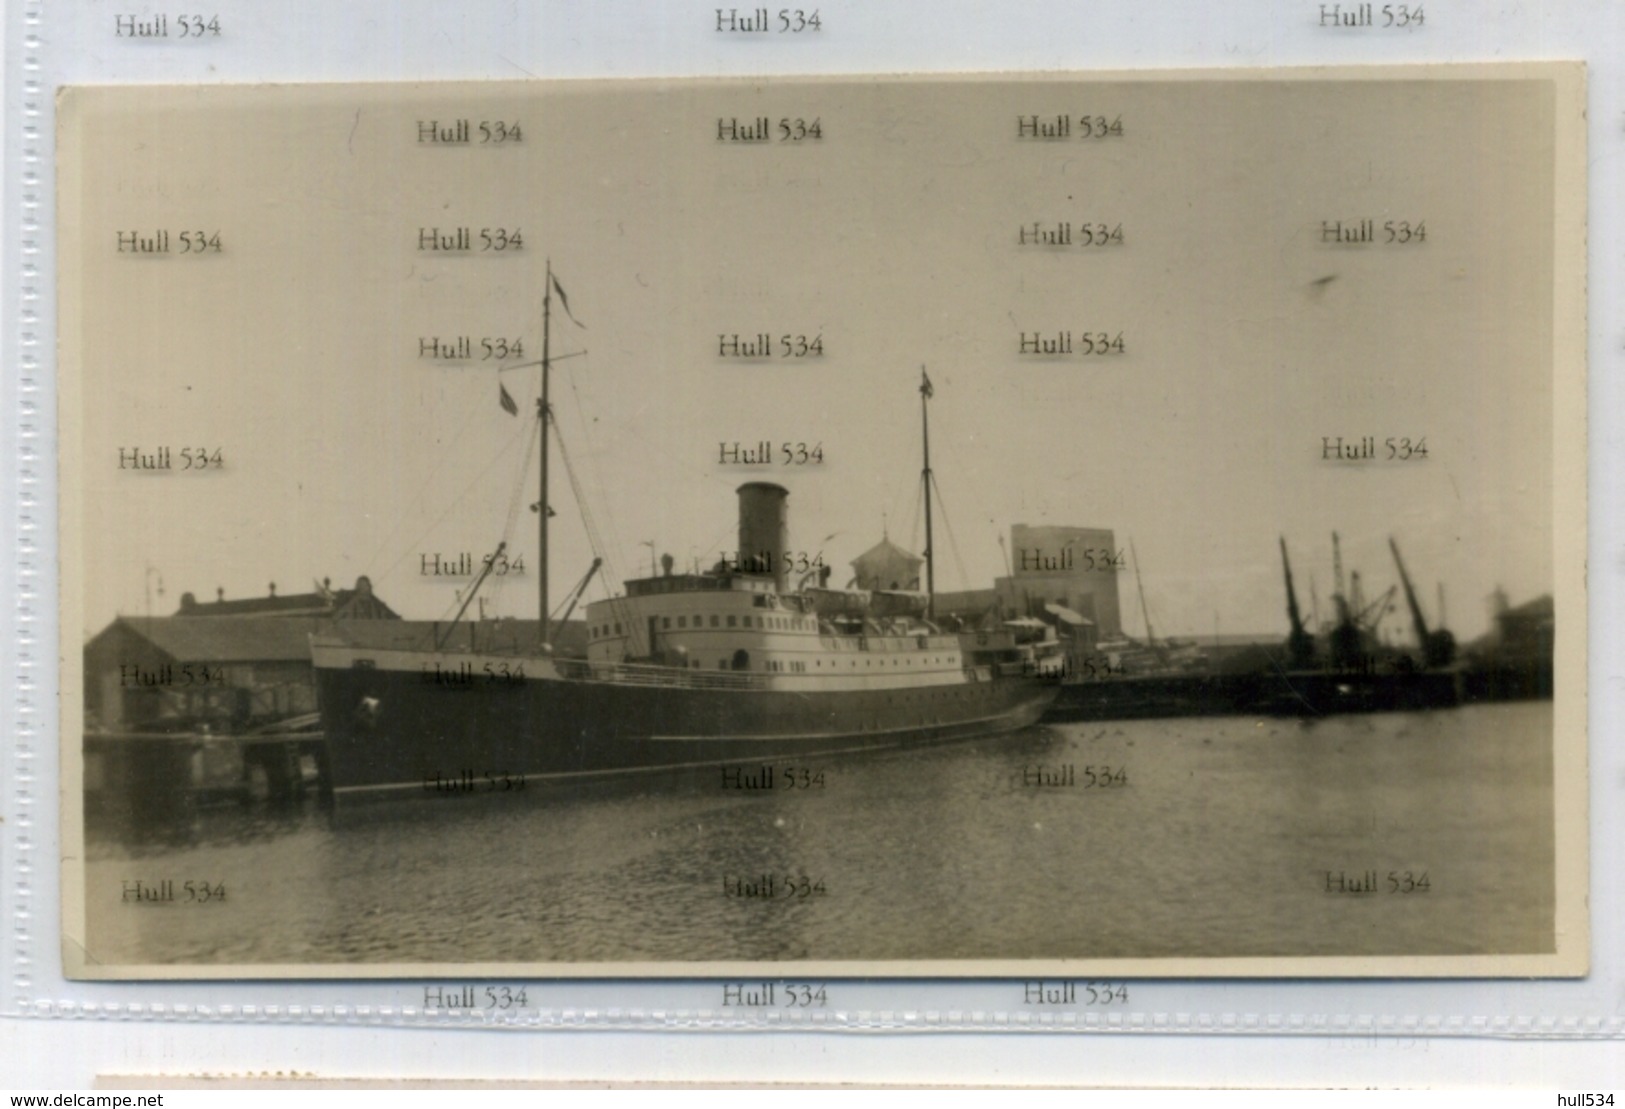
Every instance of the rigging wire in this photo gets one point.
(594, 537)
(452, 504)
(941, 504)
(715, 546)
(516, 500)
(592, 454)
(587, 521)
(893, 510)
(408, 511)
(953, 544)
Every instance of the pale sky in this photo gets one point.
(894, 238)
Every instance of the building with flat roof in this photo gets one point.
(1074, 568)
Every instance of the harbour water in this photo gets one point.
(1381, 834)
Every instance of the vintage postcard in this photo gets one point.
(1033, 527)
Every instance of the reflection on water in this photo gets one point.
(1200, 837)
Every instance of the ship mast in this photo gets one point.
(925, 476)
(1139, 584)
(542, 414)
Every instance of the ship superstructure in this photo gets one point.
(683, 670)
(741, 618)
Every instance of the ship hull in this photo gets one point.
(1306, 693)
(391, 733)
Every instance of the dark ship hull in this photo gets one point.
(426, 730)
(1264, 693)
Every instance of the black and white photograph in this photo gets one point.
(1120, 524)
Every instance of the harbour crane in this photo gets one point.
(1300, 645)
(1438, 646)
(1347, 638)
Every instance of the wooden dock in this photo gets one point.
(144, 776)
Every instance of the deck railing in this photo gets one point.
(631, 673)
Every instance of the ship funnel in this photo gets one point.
(764, 531)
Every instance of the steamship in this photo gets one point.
(733, 665)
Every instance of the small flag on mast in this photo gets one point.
(925, 385)
(506, 401)
(565, 301)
